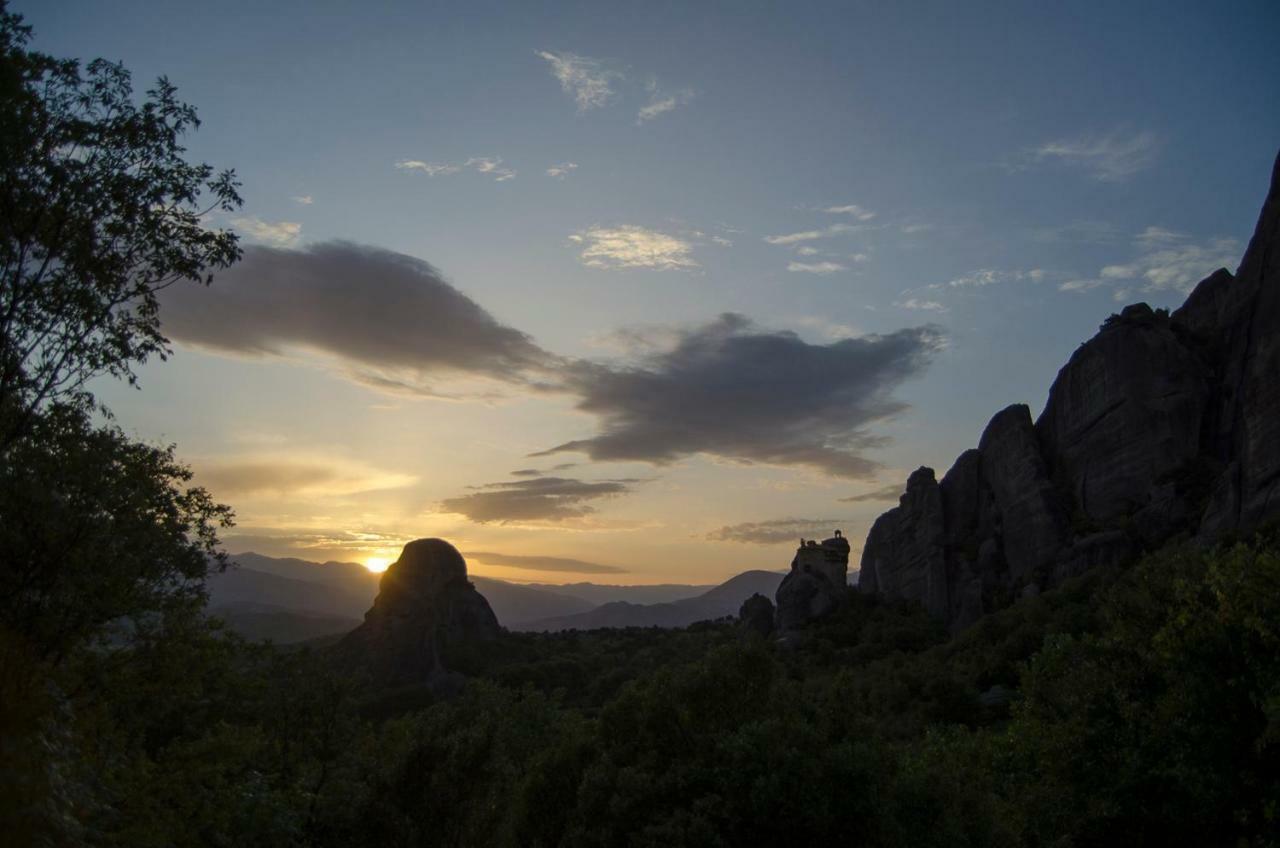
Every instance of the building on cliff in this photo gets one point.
(817, 583)
(829, 558)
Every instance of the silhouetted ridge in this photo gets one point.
(1159, 425)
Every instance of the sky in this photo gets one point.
(645, 292)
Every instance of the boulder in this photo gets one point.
(804, 597)
(425, 605)
(756, 615)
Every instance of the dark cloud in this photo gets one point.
(885, 493)
(538, 472)
(776, 532)
(391, 318)
(545, 563)
(539, 499)
(732, 390)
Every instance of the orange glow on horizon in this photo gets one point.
(377, 564)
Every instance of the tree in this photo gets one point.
(99, 211)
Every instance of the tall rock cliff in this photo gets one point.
(425, 605)
(1158, 425)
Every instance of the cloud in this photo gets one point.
(312, 543)
(391, 319)
(805, 250)
(544, 563)
(1163, 260)
(816, 267)
(1107, 158)
(775, 532)
(923, 305)
(660, 103)
(731, 390)
(491, 165)
(891, 492)
(303, 199)
(1158, 236)
(281, 476)
(984, 277)
(543, 499)
(811, 235)
(629, 246)
(279, 233)
(562, 170)
(536, 472)
(587, 80)
(428, 168)
(853, 210)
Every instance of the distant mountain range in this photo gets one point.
(290, 600)
(717, 602)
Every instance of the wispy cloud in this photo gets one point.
(273, 475)
(776, 532)
(303, 199)
(542, 499)
(811, 235)
(816, 267)
(660, 103)
(1108, 158)
(528, 562)
(1162, 260)
(884, 494)
(562, 170)
(630, 246)
(278, 233)
(921, 305)
(984, 277)
(853, 210)
(489, 165)
(431, 169)
(586, 80)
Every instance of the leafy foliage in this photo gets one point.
(99, 210)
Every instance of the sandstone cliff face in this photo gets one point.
(425, 604)
(1159, 425)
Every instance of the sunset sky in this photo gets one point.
(644, 292)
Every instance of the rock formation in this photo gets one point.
(816, 584)
(1158, 425)
(425, 605)
(756, 615)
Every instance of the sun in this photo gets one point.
(377, 564)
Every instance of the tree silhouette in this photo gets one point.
(99, 210)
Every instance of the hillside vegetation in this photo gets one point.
(1126, 707)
